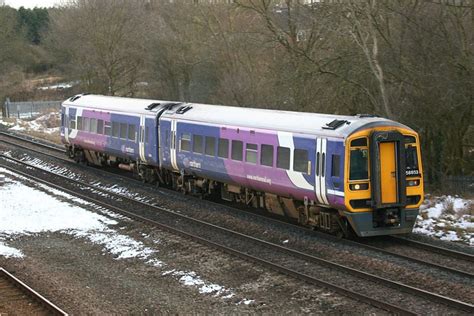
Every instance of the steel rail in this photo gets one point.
(436, 249)
(50, 307)
(52, 147)
(386, 282)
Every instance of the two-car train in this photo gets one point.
(334, 173)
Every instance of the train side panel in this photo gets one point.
(114, 134)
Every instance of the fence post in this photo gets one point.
(6, 110)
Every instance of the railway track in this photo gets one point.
(375, 244)
(397, 239)
(309, 266)
(17, 298)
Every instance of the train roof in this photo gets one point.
(327, 125)
(115, 104)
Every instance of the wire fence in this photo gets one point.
(28, 109)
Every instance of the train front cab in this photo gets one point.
(383, 181)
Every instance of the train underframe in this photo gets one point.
(304, 212)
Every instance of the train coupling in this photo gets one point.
(386, 217)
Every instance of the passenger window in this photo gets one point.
(237, 148)
(100, 127)
(210, 146)
(283, 158)
(197, 144)
(147, 134)
(79, 123)
(93, 125)
(123, 130)
(131, 132)
(300, 161)
(251, 153)
(223, 148)
(86, 123)
(359, 169)
(107, 129)
(335, 166)
(185, 144)
(266, 157)
(115, 129)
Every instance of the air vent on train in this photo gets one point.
(183, 109)
(152, 106)
(74, 98)
(335, 124)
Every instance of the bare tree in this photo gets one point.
(106, 41)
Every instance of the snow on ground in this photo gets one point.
(59, 86)
(447, 218)
(46, 123)
(22, 214)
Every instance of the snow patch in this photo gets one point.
(447, 218)
(27, 211)
(9, 252)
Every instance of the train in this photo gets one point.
(355, 175)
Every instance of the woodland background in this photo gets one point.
(407, 60)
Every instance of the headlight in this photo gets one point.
(413, 183)
(359, 186)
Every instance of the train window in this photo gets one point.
(359, 142)
(147, 134)
(411, 160)
(185, 143)
(237, 148)
(93, 125)
(123, 130)
(251, 153)
(198, 146)
(283, 158)
(210, 146)
(86, 122)
(336, 166)
(300, 161)
(100, 127)
(410, 140)
(115, 129)
(131, 132)
(266, 158)
(223, 148)
(107, 129)
(359, 164)
(79, 123)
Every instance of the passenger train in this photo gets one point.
(340, 174)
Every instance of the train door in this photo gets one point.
(141, 143)
(388, 172)
(173, 145)
(66, 123)
(387, 169)
(320, 168)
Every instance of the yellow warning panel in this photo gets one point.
(388, 172)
